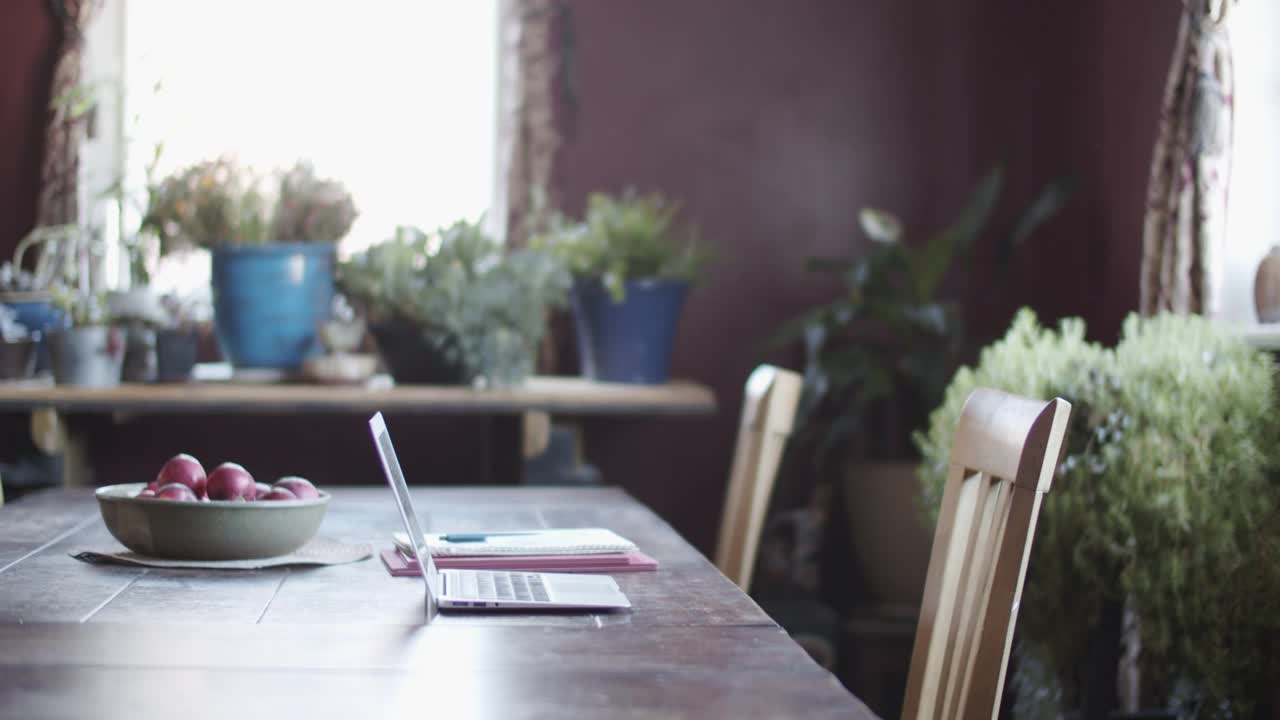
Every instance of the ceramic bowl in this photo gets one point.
(213, 530)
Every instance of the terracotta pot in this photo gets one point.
(1266, 287)
(887, 532)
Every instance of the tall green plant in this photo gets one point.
(891, 339)
(1165, 499)
(626, 237)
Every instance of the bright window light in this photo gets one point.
(1253, 215)
(395, 98)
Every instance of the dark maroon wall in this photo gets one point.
(1069, 89)
(1136, 45)
(775, 122)
(27, 45)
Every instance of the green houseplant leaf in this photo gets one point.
(626, 237)
(892, 319)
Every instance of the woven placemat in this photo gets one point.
(317, 552)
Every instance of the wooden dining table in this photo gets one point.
(111, 641)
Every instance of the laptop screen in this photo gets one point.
(395, 478)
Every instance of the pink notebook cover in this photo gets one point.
(399, 565)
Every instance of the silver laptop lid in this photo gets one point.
(395, 478)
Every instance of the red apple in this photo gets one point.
(147, 491)
(260, 490)
(300, 487)
(183, 469)
(279, 493)
(176, 491)
(230, 481)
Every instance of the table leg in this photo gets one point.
(506, 449)
(76, 469)
(53, 433)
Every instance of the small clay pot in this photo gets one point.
(1266, 287)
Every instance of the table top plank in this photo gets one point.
(192, 596)
(361, 647)
(108, 693)
(43, 517)
(476, 671)
(566, 395)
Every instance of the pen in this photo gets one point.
(478, 537)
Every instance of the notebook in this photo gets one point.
(557, 541)
(398, 564)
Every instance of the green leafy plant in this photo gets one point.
(1164, 501)
(83, 309)
(481, 308)
(627, 237)
(58, 249)
(220, 203)
(890, 341)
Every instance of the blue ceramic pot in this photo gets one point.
(628, 341)
(269, 301)
(35, 310)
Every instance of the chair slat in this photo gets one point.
(976, 574)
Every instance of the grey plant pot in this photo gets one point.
(139, 354)
(87, 356)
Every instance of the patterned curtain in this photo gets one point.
(533, 38)
(1190, 170)
(58, 203)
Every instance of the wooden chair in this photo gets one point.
(768, 413)
(1003, 458)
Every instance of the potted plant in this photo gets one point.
(272, 257)
(28, 292)
(1155, 554)
(632, 265)
(877, 359)
(453, 307)
(139, 313)
(90, 350)
(178, 339)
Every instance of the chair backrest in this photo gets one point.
(768, 413)
(1003, 457)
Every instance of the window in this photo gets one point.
(395, 98)
(1253, 199)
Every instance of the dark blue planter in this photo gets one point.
(35, 310)
(628, 341)
(176, 352)
(269, 300)
(412, 360)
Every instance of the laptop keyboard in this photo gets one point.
(487, 585)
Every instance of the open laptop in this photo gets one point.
(488, 589)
